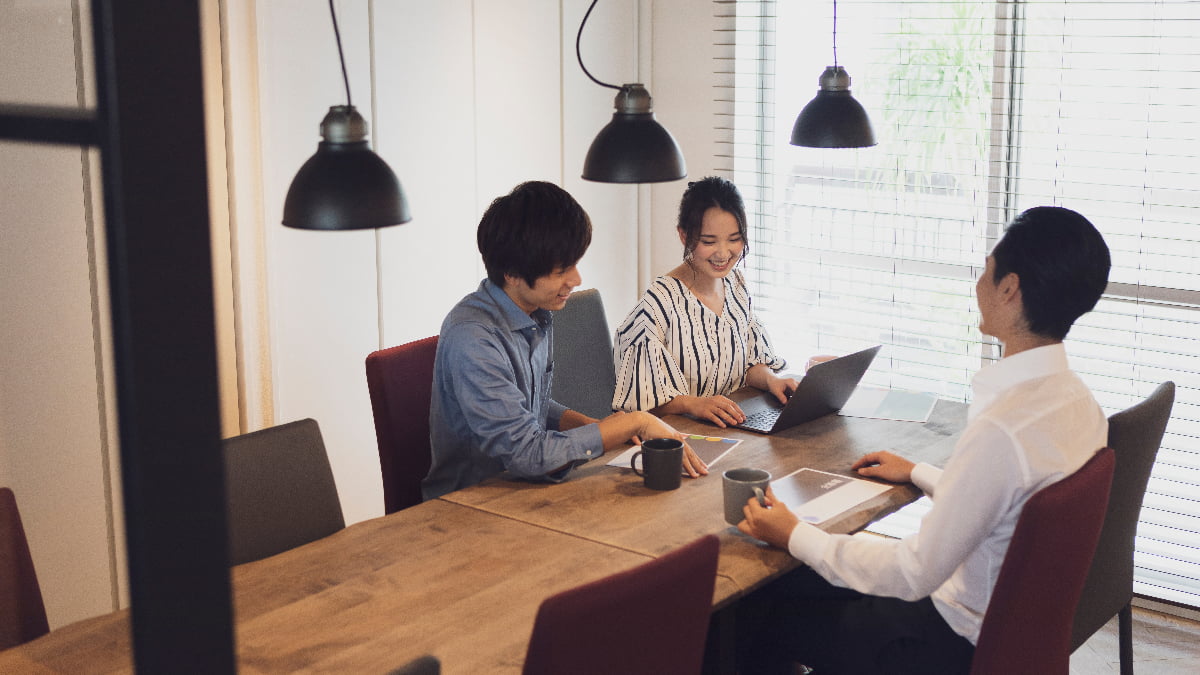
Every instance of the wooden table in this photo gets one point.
(461, 577)
(609, 505)
(437, 578)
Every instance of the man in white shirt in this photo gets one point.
(866, 604)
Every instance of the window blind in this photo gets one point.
(981, 110)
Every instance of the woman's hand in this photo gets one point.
(761, 377)
(719, 410)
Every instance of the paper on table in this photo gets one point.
(890, 404)
(708, 448)
(816, 496)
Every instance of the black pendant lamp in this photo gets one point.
(345, 185)
(633, 147)
(833, 119)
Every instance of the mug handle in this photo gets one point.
(633, 463)
(761, 496)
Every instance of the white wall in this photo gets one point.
(468, 99)
(54, 425)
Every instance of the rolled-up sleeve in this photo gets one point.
(647, 374)
(501, 416)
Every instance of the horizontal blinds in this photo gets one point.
(981, 110)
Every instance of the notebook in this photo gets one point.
(825, 388)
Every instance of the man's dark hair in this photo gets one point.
(531, 231)
(703, 195)
(1062, 264)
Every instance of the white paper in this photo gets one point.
(816, 496)
(890, 404)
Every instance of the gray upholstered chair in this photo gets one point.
(422, 665)
(1134, 435)
(279, 491)
(584, 375)
(22, 612)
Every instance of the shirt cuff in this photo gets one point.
(807, 543)
(588, 441)
(925, 476)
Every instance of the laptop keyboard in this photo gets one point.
(762, 420)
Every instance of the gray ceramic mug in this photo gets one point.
(662, 463)
(739, 486)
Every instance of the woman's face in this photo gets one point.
(719, 246)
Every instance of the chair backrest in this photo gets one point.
(1027, 627)
(422, 665)
(400, 381)
(1134, 434)
(584, 374)
(651, 619)
(279, 491)
(22, 613)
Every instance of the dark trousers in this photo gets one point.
(801, 618)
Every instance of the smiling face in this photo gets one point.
(719, 246)
(549, 292)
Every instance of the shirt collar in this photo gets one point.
(516, 319)
(1011, 371)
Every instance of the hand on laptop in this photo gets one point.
(720, 410)
(762, 377)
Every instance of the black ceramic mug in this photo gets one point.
(662, 463)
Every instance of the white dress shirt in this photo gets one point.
(1031, 423)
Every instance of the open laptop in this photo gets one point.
(825, 388)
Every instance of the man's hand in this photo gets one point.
(885, 465)
(656, 428)
(772, 523)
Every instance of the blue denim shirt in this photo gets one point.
(491, 409)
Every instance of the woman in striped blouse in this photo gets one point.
(693, 337)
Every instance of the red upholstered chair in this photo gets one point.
(650, 620)
(1027, 627)
(22, 613)
(400, 381)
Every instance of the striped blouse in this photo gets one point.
(671, 345)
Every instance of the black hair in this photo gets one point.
(703, 195)
(1062, 265)
(531, 231)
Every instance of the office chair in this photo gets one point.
(400, 381)
(279, 491)
(649, 620)
(1135, 435)
(584, 374)
(22, 612)
(1027, 626)
(422, 665)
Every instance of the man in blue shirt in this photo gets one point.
(491, 409)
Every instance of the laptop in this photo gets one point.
(825, 388)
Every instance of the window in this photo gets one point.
(981, 110)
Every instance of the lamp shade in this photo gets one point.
(633, 147)
(345, 185)
(833, 119)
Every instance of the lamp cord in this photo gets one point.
(835, 33)
(341, 57)
(579, 55)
